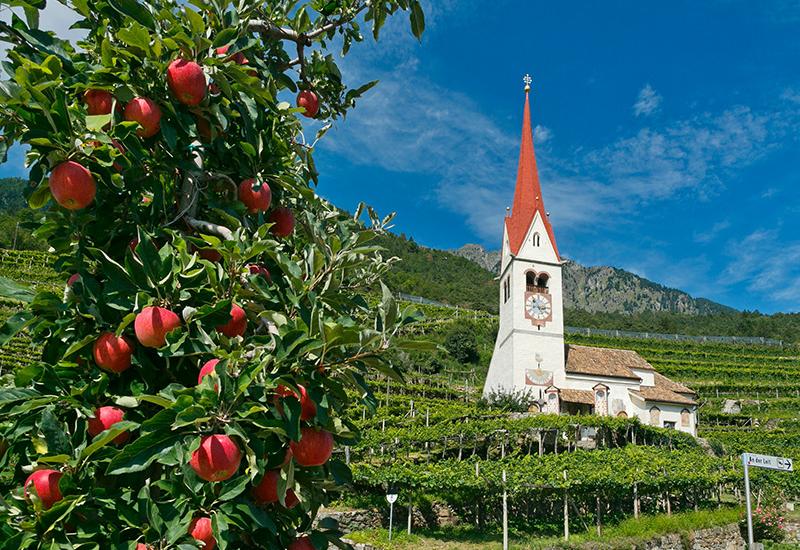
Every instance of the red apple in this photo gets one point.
(200, 529)
(314, 448)
(98, 102)
(187, 81)
(258, 269)
(287, 458)
(153, 324)
(283, 219)
(266, 492)
(142, 546)
(104, 418)
(75, 277)
(303, 543)
(133, 244)
(72, 185)
(112, 353)
(217, 458)
(147, 113)
(308, 409)
(255, 201)
(210, 255)
(208, 368)
(237, 324)
(309, 101)
(45, 482)
(204, 128)
(238, 57)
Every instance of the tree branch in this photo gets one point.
(208, 227)
(268, 29)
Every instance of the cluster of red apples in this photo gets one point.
(218, 457)
(73, 186)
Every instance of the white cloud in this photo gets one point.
(541, 134)
(647, 102)
(767, 263)
(712, 232)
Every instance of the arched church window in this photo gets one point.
(536, 239)
(685, 418)
(530, 281)
(542, 280)
(655, 416)
(622, 414)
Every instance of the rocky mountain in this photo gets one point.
(603, 289)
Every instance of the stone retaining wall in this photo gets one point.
(714, 538)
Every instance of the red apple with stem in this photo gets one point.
(98, 102)
(255, 200)
(200, 529)
(314, 448)
(309, 101)
(72, 185)
(217, 458)
(153, 324)
(266, 492)
(147, 113)
(45, 483)
(105, 418)
(237, 325)
(112, 353)
(187, 81)
(283, 221)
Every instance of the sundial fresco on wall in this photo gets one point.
(538, 377)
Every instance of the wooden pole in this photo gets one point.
(566, 509)
(599, 517)
(636, 500)
(410, 514)
(505, 513)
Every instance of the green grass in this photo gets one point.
(622, 535)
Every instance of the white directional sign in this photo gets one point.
(770, 462)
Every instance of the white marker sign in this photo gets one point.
(769, 462)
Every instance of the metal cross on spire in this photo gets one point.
(527, 80)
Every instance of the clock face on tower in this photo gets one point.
(538, 307)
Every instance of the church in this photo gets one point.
(530, 353)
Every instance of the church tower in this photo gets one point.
(529, 351)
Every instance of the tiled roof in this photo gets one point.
(614, 363)
(528, 193)
(664, 391)
(662, 380)
(577, 396)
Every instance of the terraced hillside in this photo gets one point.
(432, 439)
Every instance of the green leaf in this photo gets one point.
(225, 37)
(233, 488)
(95, 123)
(12, 395)
(138, 455)
(417, 19)
(14, 325)
(136, 10)
(135, 36)
(107, 436)
(54, 434)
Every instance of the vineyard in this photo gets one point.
(433, 440)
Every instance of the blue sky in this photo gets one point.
(666, 135)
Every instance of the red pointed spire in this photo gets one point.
(528, 193)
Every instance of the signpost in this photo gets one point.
(759, 461)
(391, 498)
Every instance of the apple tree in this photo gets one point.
(218, 316)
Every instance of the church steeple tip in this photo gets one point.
(528, 193)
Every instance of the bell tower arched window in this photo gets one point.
(542, 280)
(536, 239)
